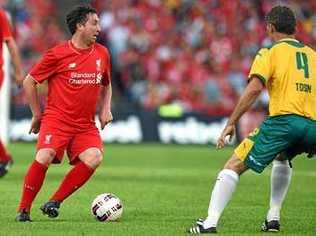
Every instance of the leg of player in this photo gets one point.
(33, 182)
(280, 180)
(223, 190)
(5, 160)
(89, 160)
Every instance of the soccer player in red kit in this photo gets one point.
(76, 72)
(7, 38)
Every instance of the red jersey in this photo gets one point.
(75, 77)
(5, 32)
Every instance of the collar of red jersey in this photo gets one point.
(288, 39)
(78, 50)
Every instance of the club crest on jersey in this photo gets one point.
(98, 64)
(72, 65)
(48, 138)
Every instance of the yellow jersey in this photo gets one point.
(288, 70)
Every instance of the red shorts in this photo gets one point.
(74, 142)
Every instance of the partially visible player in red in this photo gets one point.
(77, 71)
(7, 38)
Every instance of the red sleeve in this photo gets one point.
(45, 68)
(107, 72)
(5, 25)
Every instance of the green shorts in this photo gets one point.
(291, 134)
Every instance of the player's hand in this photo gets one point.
(229, 130)
(19, 77)
(35, 125)
(105, 118)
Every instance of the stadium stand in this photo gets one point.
(192, 53)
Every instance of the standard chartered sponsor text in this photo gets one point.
(82, 81)
(83, 78)
(75, 75)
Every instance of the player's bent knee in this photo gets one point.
(45, 156)
(97, 159)
(235, 164)
(91, 157)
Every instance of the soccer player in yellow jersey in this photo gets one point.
(287, 70)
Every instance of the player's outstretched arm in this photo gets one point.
(16, 60)
(105, 115)
(30, 88)
(248, 97)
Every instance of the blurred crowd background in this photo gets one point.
(192, 53)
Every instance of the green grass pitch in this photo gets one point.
(164, 188)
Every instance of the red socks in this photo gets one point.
(75, 178)
(33, 182)
(4, 156)
(35, 176)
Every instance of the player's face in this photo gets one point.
(91, 29)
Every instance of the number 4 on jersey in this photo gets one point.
(302, 63)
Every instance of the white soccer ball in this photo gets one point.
(107, 207)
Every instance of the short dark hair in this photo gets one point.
(283, 19)
(78, 15)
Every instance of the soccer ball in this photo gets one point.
(107, 207)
